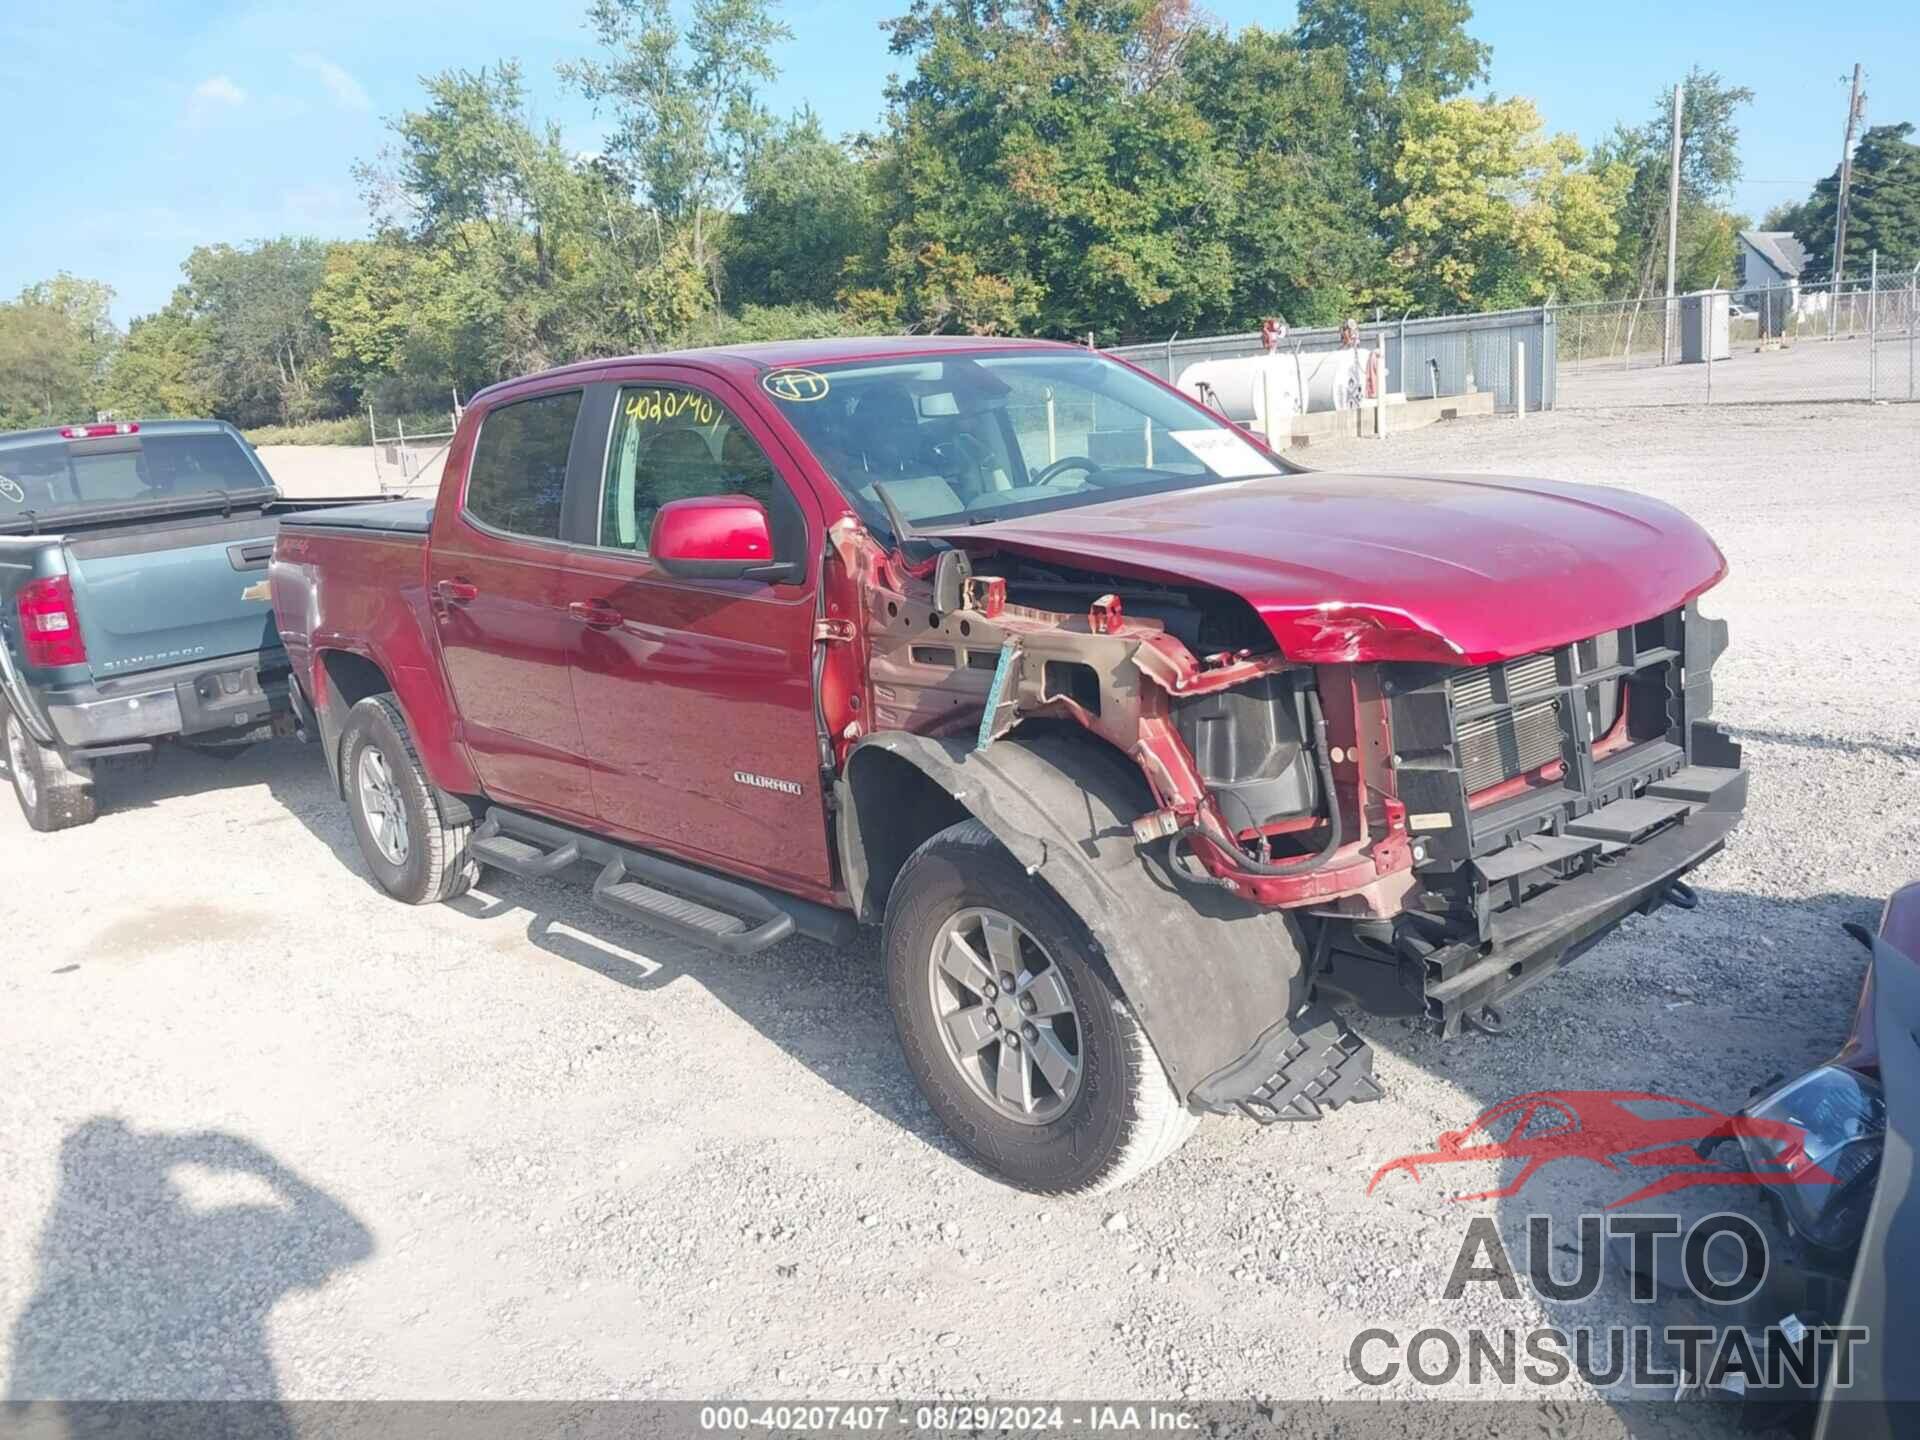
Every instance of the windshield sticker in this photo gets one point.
(10, 490)
(656, 407)
(1224, 453)
(796, 386)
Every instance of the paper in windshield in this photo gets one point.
(1224, 453)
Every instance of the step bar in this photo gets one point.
(733, 916)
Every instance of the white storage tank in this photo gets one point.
(1242, 389)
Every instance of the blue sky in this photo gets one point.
(137, 129)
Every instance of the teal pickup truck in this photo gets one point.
(133, 601)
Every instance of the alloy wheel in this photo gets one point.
(1006, 1016)
(381, 803)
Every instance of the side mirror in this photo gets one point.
(717, 537)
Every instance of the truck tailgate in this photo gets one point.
(172, 593)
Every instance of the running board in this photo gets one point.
(718, 912)
(491, 847)
(619, 894)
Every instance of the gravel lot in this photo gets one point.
(264, 1132)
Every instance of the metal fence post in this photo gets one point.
(1913, 319)
(1873, 326)
(1519, 379)
(1380, 393)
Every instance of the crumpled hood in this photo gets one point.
(1348, 568)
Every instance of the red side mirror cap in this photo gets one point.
(715, 537)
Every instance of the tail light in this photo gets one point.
(96, 432)
(49, 624)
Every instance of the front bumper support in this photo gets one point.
(1451, 984)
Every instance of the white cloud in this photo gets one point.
(345, 90)
(218, 90)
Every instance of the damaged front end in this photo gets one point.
(1435, 837)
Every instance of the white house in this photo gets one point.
(1771, 264)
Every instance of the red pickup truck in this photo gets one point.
(1146, 748)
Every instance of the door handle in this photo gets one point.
(596, 613)
(457, 592)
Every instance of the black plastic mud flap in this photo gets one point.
(1298, 1070)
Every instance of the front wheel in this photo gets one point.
(415, 849)
(1015, 1028)
(53, 794)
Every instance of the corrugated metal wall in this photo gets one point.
(1479, 347)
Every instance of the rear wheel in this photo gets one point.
(54, 794)
(1015, 1028)
(416, 849)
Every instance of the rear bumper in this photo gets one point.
(209, 697)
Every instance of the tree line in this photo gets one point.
(1121, 168)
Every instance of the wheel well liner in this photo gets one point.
(1205, 972)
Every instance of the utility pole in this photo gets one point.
(1854, 107)
(1673, 224)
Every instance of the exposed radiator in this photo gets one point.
(1502, 730)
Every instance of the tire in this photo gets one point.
(1116, 1116)
(54, 793)
(425, 860)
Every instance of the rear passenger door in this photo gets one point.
(696, 696)
(495, 575)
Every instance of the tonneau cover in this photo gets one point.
(404, 517)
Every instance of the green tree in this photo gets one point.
(266, 356)
(1034, 179)
(55, 343)
(1397, 53)
(1494, 213)
(1709, 166)
(686, 118)
(1883, 207)
(507, 254)
(159, 372)
(1303, 233)
(807, 209)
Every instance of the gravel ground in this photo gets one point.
(264, 1132)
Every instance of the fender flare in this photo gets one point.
(1207, 974)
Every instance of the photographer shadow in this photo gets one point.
(158, 1268)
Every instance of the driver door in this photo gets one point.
(695, 697)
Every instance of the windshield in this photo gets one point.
(980, 437)
(45, 475)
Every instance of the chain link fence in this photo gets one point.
(1857, 340)
(1426, 357)
(1807, 341)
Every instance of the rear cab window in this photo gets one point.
(517, 480)
(40, 475)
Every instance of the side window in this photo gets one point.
(674, 443)
(519, 471)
